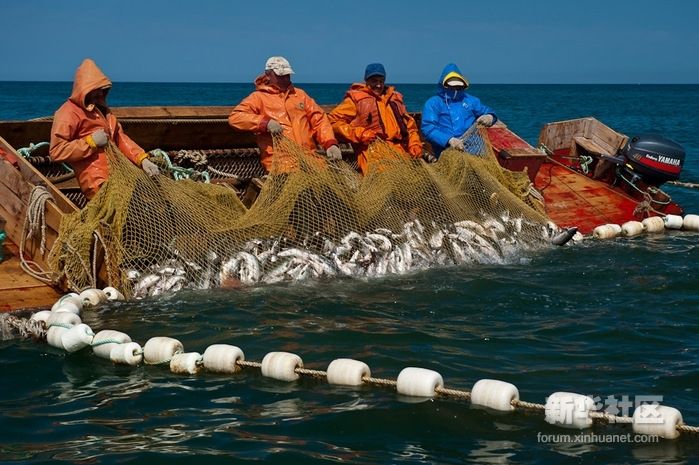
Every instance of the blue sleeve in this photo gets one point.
(430, 127)
(481, 109)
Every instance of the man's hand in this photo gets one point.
(274, 127)
(485, 120)
(333, 153)
(99, 137)
(428, 157)
(150, 168)
(456, 143)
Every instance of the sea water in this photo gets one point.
(614, 320)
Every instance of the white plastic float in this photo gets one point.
(76, 338)
(690, 223)
(189, 363)
(673, 222)
(130, 353)
(569, 410)
(347, 372)
(418, 382)
(631, 228)
(222, 358)
(494, 394)
(654, 224)
(106, 340)
(161, 349)
(281, 366)
(657, 420)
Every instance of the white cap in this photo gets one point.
(279, 65)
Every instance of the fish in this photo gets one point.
(249, 269)
(144, 284)
(380, 241)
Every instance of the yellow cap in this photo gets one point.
(454, 75)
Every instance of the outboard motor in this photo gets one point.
(654, 159)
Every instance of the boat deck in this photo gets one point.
(576, 200)
(18, 290)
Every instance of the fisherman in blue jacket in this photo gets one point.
(447, 115)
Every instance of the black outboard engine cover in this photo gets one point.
(654, 158)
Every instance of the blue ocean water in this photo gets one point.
(614, 320)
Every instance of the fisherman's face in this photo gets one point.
(97, 97)
(280, 82)
(377, 84)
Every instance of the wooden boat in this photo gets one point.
(577, 172)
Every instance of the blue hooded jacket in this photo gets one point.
(450, 113)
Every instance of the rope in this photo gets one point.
(690, 185)
(379, 381)
(313, 373)
(452, 393)
(35, 221)
(29, 328)
(688, 429)
(609, 418)
(27, 151)
(222, 173)
(527, 405)
(178, 172)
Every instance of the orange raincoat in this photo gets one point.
(363, 113)
(302, 120)
(75, 121)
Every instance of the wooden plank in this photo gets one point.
(166, 112)
(18, 290)
(591, 146)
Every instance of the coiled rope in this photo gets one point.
(35, 222)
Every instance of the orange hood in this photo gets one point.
(88, 77)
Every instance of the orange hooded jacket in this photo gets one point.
(302, 120)
(75, 121)
(363, 115)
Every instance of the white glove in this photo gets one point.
(99, 137)
(456, 143)
(485, 120)
(150, 168)
(274, 127)
(333, 153)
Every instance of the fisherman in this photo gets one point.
(372, 110)
(84, 125)
(449, 114)
(277, 107)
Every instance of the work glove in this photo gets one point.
(99, 137)
(485, 120)
(150, 168)
(428, 157)
(274, 127)
(333, 153)
(456, 143)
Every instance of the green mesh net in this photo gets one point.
(313, 219)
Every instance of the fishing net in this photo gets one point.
(313, 219)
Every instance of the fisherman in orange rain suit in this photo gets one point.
(277, 107)
(373, 111)
(83, 126)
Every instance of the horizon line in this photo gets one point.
(393, 83)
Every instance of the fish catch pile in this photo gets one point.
(312, 220)
(373, 254)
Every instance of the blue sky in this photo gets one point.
(501, 41)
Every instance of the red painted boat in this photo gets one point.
(591, 175)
